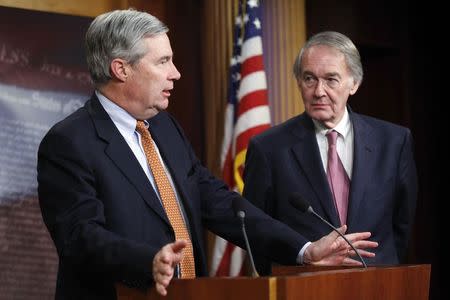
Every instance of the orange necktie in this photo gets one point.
(168, 200)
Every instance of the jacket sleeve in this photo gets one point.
(74, 215)
(406, 191)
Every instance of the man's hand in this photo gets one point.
(164, 264)
(333, 250)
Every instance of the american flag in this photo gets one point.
(247, 114)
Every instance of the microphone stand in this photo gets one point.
(241, 215)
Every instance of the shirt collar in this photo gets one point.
(125, 122)
(343, 127)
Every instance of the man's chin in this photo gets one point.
(320, 115)
(163, 105)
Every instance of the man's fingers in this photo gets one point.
(178, 245)
(161, 289)
(335, 239)
(163, 269)
(163, 279)
(177, 251)
(342, 229)
(171, 254)
(160, 278)
(357, 236)
(164, 262)
(344, 252)
(365, 244)
(333, 249)
(359, 241)
(351, 262)
(363, 253)
(165, 257)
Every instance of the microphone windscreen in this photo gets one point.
(241, 214)
(238, 205)
(298, 202)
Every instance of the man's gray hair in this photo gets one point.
(118, 34)
(339, 42)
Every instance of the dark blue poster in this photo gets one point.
(43, 78)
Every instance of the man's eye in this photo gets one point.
(308, 79)
(332, 82)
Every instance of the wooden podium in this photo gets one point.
(216, 288)
(409, 282)
(331, 283)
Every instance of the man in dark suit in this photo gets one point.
(101, 198)
(377, 156)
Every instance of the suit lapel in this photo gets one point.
(172, 154)
(122, 156)
(363, 162)
(306, 151)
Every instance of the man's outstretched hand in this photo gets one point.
(164, 264)
(332, 249)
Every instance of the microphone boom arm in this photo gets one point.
(310, 210)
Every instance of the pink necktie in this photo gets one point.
(337, 177)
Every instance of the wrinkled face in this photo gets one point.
(325, 84)
(151, 79)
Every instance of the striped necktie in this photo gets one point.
(337, 177)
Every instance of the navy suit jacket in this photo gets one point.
(105, 218)
(383, 191)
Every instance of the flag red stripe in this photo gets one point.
(252, 100)
(227, 169)
(243, 139)
(252, 64)
(224, 266)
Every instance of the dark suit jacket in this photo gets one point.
(383, 191)
(105, 218)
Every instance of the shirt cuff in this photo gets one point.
(301, 253)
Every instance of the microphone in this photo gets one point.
(240, 213)
(297, 201)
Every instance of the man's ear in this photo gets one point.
(354, 88)
(120, 69)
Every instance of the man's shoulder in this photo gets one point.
(164, 122)
(283, 130)
(378, 124)
(283, 136)
(162, 117)
(75, 126)
(76, 119)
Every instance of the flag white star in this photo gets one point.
(257, 23)
(238, 21)
(246, 18)
(253, 3)
(233, 61)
